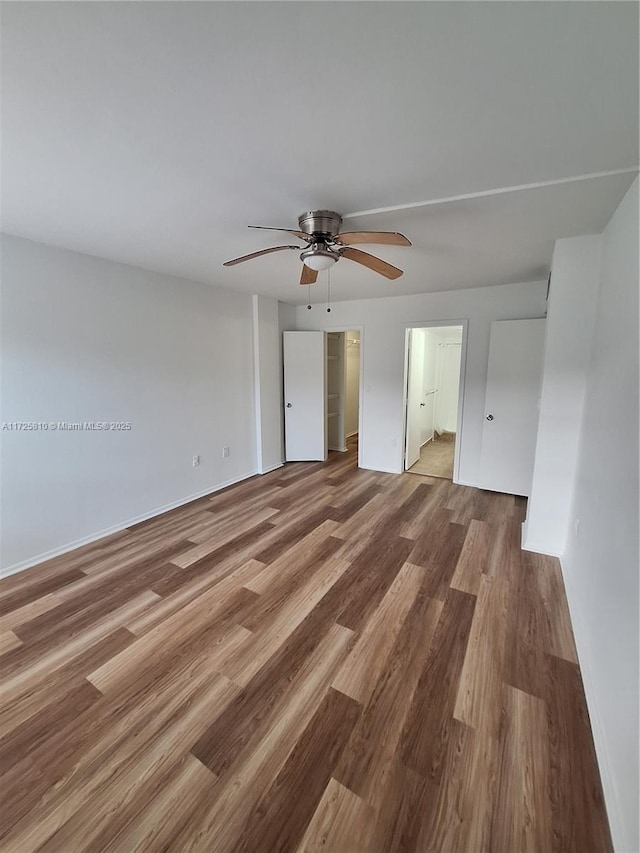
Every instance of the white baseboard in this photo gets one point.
(351, 434)
(271, 468)
(116, 528)
(609, 788)
(539, 548)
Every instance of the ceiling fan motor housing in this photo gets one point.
(326, 223)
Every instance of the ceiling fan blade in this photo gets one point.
(308, 276)
(299, 234)
(387, 238)
(375, 264)
(257, 255)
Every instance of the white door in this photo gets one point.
(305, 396)
(415, 369)
(511, 406)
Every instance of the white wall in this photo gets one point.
(430, 356)
(448, 356)
(600, 563)
(268, 382)
(384, 322)
(352, 383)
(84, 339)
(568, 336)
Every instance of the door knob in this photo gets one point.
(288, 405)
(489, 417)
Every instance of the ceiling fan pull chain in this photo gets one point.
(329, 290)
(308, 297)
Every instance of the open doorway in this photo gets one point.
(343, 390)
(352, 388)
(432, 396)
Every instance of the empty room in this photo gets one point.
(319, 439)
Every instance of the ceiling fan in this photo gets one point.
(320, 229)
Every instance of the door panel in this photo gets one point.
(511, 405)
(415, 368)
(305, 396)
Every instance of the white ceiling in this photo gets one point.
(153, 133)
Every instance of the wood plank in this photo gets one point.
(479, 699)
(528, 630)
(51, 689)
(29, 611)
(473, 560)
(264, 756)
(315, 548)
(520, 821)
(158, 809)
(360, 672)
(180, 625)
(578, 814)
(372, 573)
(369, 759)
(341, 822)
(9, 641)
(236, 565)
(560, 641)
(430, 718)
(273, 824)
(112, 771)
(248, 713)
(438, 549)
(235, 536)
(23, 680)
(13, 600)
(241, 667)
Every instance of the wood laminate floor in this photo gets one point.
(322, 658)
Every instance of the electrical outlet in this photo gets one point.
(226, 452)
(196, 461)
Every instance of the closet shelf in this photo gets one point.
(333, 358)
(332, 396)
(333, 414)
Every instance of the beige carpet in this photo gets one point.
(436, 458)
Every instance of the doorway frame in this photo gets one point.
(435, 324)
(355, 327)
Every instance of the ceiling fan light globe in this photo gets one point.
(318, 260)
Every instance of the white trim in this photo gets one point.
(470, 484)
(257, 392)
(499, 191)
(107, 531)
(351, 434)
(361, 398)
(434, 324)
(607, 778)
(538, 549)
(381, 470)
(271, 468)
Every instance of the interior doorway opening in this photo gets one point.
(343, 389)
(433, 399)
